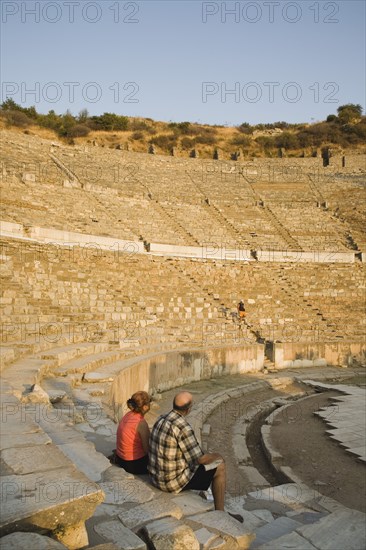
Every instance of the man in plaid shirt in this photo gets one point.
(176, 460)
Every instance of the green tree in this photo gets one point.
(111, 121)
(332, 118)
(83, 116)
(10, 105)
(349, 113)
(287, 140)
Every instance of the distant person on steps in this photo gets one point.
(241, 310)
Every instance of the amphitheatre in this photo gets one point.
(121, 271)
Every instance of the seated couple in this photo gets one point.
(171, 454)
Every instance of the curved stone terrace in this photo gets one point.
(64, 428)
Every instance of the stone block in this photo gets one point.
(206, 429)
(126, 490)
(191, 504)
(205, 537)
(72, 536)
(83, 454)
(221, 544)
(40, 458)
(264, 515)
(15, 421)
(122, 537)
(106, 546)
(28, 177)
(291, 541)
(55, 396)
(342, 529)
(274, 530)
(29, 541)
(225, 525)
(93, 377)
(115, 473)
(47, 500)
(170, 534)
(23, 440)
(289, 494)
(150, 511)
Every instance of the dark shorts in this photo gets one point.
(201, 479)
(138, 466)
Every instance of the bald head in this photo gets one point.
(182, 401)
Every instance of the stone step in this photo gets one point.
(41, 486)
(274, 530)
(169, 533)
(7, 356)
(121, 537)
(67, 353)
(57, 500)
(342, 529)
(225, 526)
(26, 372)
(90, 362)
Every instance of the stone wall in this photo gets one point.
(345, 354)
(161, 372)
(146, 300)
(349, 162)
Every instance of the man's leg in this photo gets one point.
(219, 486)
(218, 490)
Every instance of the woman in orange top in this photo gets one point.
(133, 435)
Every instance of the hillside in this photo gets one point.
(184, 139)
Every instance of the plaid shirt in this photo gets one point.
(173, 452)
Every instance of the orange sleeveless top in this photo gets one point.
(129, 445)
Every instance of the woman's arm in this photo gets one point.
(144, 433)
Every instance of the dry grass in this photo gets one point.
(149, 131)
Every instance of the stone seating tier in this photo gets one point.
(124, 300)
(135, 196)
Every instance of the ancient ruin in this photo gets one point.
(122, 271)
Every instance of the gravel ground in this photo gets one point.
(318, 460)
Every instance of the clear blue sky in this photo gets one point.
(179, 60)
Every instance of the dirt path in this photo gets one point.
(319, 461)
(220, 439)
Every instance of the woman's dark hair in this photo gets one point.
(138, 400)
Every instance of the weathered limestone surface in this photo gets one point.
(73, 536)
(29, 541)
(221, 523)
(274, 530)
(27, 460)
(106, 546)
(344, 529)
(83, 454)
(205, 537)
(10, 441)
(138, 516)
(191, 504)
(129, 490)
(122, 537)
(47, 499)
(292, 494)
(75, 305)
(170, 534)
(291, 541)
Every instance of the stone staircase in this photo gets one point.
(123, 181)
